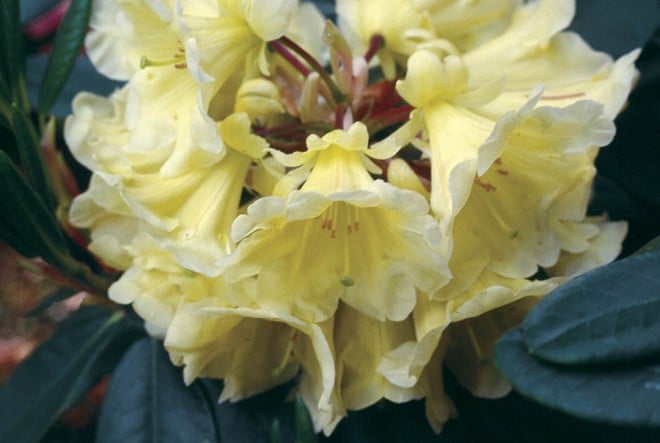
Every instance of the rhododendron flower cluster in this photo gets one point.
(352, 206)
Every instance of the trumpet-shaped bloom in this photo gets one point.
(404, 365)
(482, 166)
(190, 213)
(254, 349)
(142, 42)
(341, 236)
(226, 38)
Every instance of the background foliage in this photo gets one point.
(600, 333)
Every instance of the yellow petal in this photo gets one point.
(471, 346)
(370, 248)
(600, 249)
(361, 342)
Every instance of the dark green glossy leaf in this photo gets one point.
(25, 222)
(68, 41)
(607, 315)
(251, 420)
(622, 395)
(29, 150)
(147, 401)
(59, 372)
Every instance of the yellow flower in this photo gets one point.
(413, 361)
(226, 38)
(190, 213)
(341, 236)
(142, 42)
(501, 164)
(277, 221)
(254, 349)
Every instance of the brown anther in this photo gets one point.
(485, 185)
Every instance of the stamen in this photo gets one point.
(475, 344)
(376, 42)
(330, 220)
(352, 222)
(333, 226)
(337, 95)
(287, 354)
(177, 60)
(289, 57)
(346, 279)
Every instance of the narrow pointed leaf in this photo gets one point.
(68, 41)
(147, 402)
(621, 395)
(26, 224)
(12, 69)
(29, 150)
(607, 315)
(59, 372)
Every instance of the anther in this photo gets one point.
(176, 61)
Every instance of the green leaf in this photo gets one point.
(25, 222)
(147, 401)
(59, 372)
(68, 41)
(83, 77)
(622, 395)
(610, 314)
(304, 426)
(12, 69)
(29, 149)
